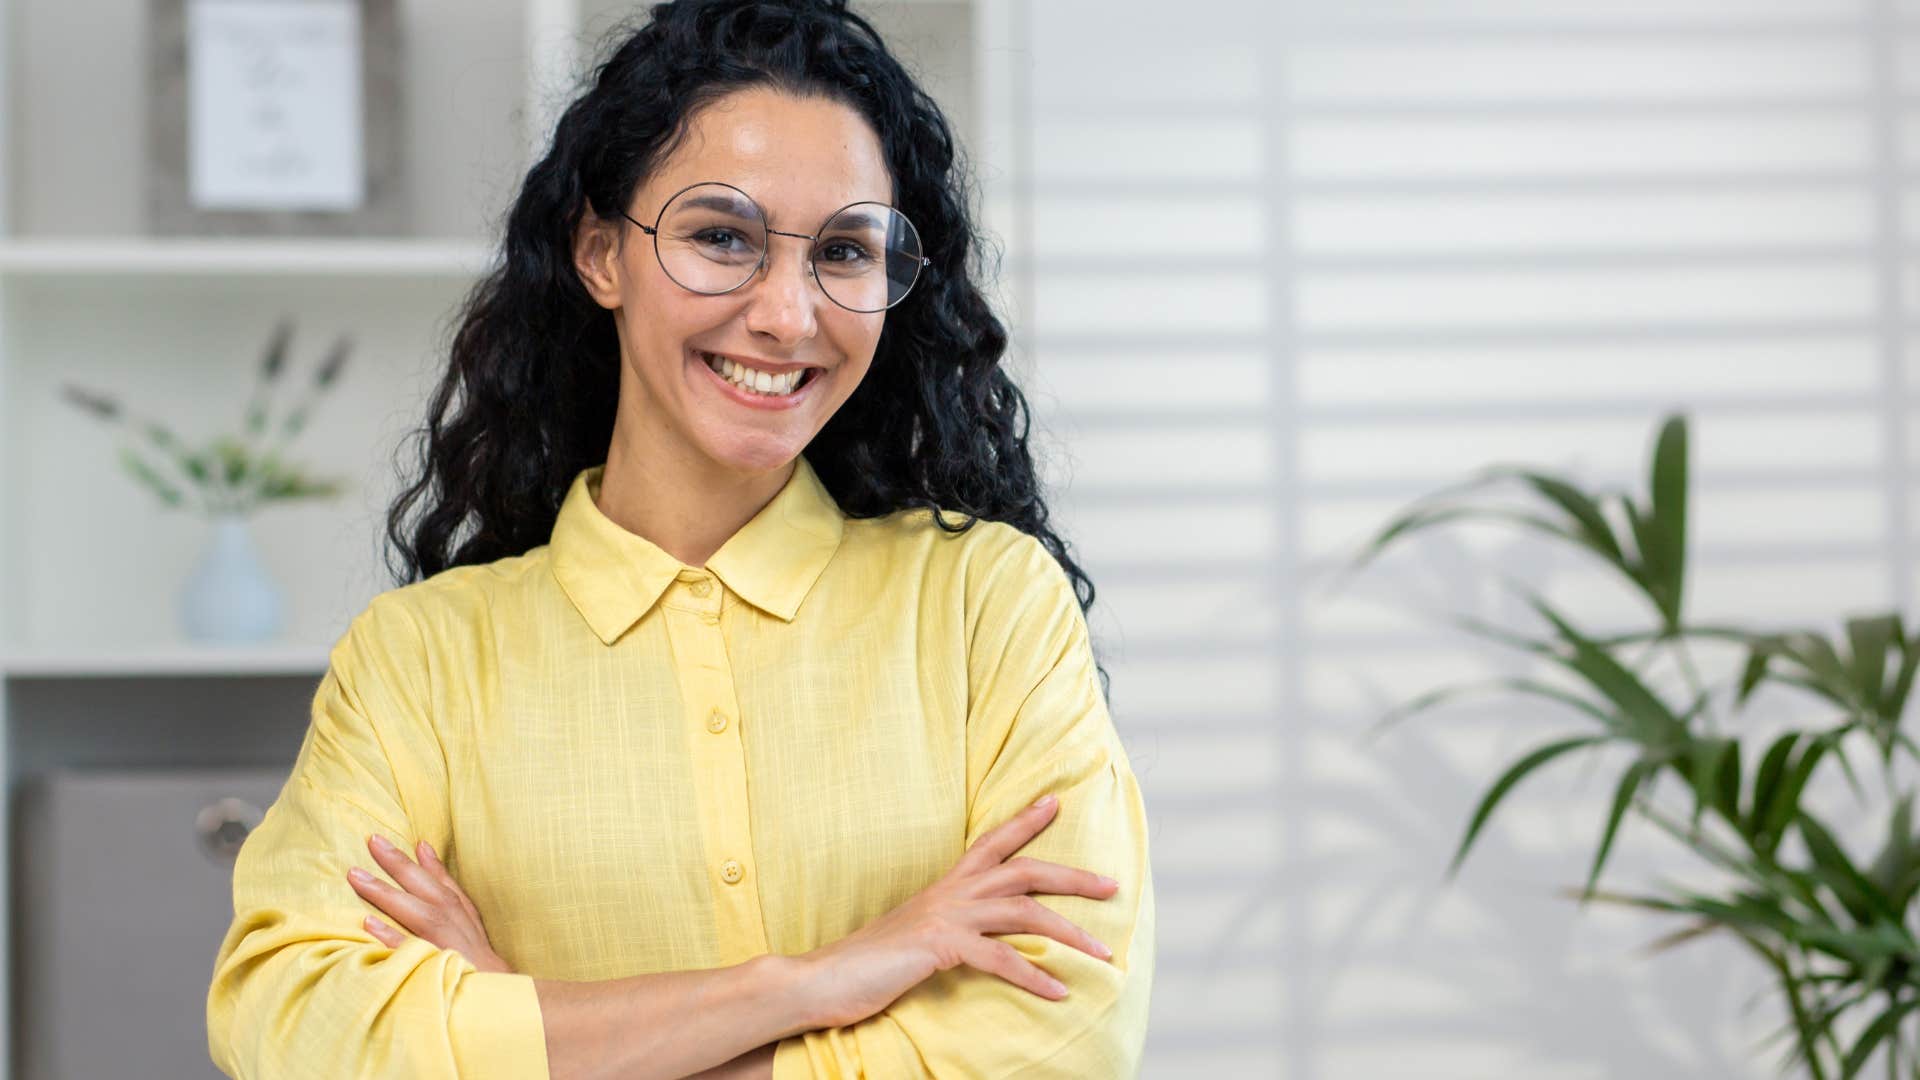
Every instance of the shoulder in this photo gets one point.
(953, 537)
(455, 597)
(1004, 580)
(402, 628)
(979, 554)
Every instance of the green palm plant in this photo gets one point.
(229, 473)
(1835, 931)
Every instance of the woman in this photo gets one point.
(736, 653)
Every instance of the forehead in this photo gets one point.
(800, 158)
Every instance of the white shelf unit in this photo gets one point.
(429, 258)
(92, 668)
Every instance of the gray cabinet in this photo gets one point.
(122, 890)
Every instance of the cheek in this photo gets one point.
(856, 354)
(664, 320)
(855, 337)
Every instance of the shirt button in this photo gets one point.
(700, 588)
(716, 721)
(731, 872)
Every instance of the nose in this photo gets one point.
(782, 302)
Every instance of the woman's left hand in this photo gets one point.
(429, 903)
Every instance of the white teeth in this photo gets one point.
(759, 382)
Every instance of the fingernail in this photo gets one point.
(381, 842)
(360, 876)
(1044, 800)
(1101, 948)
(1056, 986)
(1105, 880)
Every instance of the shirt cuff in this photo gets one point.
(495, 1026)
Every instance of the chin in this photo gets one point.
(757, 456)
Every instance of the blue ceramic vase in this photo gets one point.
(230, 598)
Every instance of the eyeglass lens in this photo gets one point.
(711, 238)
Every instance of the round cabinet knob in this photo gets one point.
(223, 826)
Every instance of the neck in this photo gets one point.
(685, 504)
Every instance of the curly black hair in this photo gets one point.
(529, 396)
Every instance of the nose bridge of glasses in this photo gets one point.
(806, 256)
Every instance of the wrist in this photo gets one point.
(785, 986)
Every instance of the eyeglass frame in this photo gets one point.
(653, 231)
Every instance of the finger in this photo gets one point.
(1025, 874)
(410, 911)
(1025, 915)
(430, 859)
(1001, 841)
(1000, 958)
(387, 935)
(404, 870)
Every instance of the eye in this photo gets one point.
(716, 236)
(844, 252)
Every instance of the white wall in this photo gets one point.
(1286, 266)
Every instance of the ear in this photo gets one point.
(596, 257)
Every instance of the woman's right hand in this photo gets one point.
(945, 925)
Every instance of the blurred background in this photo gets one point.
(1273, 271)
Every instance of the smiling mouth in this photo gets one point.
(753, 381)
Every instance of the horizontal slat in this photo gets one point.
(1458, 336)
(1583, 73)
(332, 257)
(1610, 27)
(1420, 413)
(1178, 267)
(1657, 146)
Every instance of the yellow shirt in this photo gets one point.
(634, 766)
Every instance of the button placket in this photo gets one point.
(719, 761)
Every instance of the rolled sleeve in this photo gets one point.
(299, 987)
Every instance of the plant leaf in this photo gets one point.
(1869, 639)
(1706, 757)
(146, 474)
(1635, 775)
(1785, 805)
(1766, 787)
(1666, 560)
(1875, 1033)
(1862, 899)
(1650, 720)
(1512, 776)
(1511, 684)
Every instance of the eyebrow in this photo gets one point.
(862, 220)
(735, 205)
(729, 203)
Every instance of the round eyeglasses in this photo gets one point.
(711, 238)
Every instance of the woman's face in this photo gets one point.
(800, 159)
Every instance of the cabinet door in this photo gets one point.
(122, 891)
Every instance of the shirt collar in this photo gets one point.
(614, 576)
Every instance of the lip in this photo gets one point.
(776, 367)
(759, 401)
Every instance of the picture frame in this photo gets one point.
(298, 181)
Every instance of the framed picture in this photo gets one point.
(275, 117)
